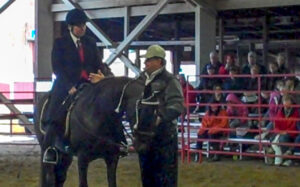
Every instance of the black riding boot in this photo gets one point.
(54, 143)
(51, 154)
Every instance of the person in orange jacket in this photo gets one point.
(213, 120)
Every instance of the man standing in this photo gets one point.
(159, 162)
(75, 60)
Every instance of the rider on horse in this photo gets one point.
(75, 60)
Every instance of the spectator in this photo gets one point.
(252, 85)
(271, 81)
(281, 64)
(274, 107)
(237, 111)
(207, 83)
(285, 121)
(251, 61)
(214, 62)
(292, 84)
(211, 123)
(229, 62)
(185, 85)
(233, 83)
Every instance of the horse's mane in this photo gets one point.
(112, 81)
(105, 89)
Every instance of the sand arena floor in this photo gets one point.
(19, 167)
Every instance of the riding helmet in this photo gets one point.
(76, 16)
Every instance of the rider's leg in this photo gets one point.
(55, 103)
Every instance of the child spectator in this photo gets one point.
(237, 111)
(292, 84)
(274, 107)
(272, 69)
(210, 127)
(233, 83)
(207, 83)
(252, 85)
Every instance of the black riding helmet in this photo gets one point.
(76, 16)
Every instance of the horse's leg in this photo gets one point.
(83, 164)
(111, 164)
(61, 170)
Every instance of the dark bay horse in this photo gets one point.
(93, 121)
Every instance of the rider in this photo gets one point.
(75, 61)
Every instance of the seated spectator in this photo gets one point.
(293, 84)
(229, 61)
(207, 83)
(185, 85)
(237, 111)
(210, 127)
(275, 98)
(281, 64)
(214, 63)
(252, 85)
(271, 81)
(285, 121)
(218, 96)
(251, 61)
(274, 108)
(233, 83)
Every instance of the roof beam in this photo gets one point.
(173, 8)
(6, 5)
(138, 30)
(241, 4)
(106, 4)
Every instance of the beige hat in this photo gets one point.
(155, 51)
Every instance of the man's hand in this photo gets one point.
(96, 77)
(72, 90)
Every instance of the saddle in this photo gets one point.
(64, 111)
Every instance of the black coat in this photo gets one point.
(66, 63)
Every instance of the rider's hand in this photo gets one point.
(96, 77)
(72, 90)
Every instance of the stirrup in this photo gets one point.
(123, 149)
(46, 153)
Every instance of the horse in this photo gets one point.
(93, 121)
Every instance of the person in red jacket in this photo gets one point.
(286, 120)
(211, 124)
(229, 62)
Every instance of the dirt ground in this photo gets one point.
(19, 167)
